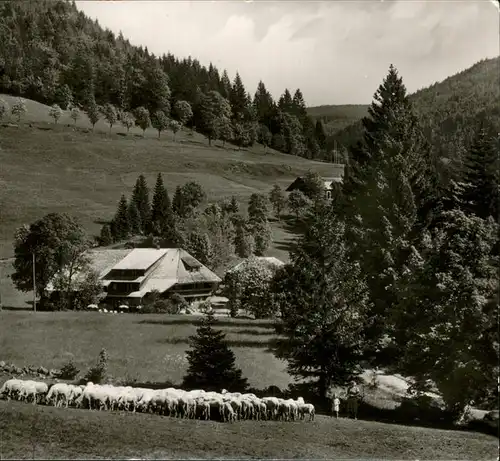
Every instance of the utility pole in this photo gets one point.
(34, 284)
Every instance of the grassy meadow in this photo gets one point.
(141, 347)
(40, 432)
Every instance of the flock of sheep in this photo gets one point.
(195, 404)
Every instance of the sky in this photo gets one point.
(336, 52)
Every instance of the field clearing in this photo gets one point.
(30, 432)
(66, 168)
(142, 347)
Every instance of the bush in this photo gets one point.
(68, 371)
(99, 372)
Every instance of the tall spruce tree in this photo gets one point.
(285, 102)
(134, 218)
(121, 221)
(320, 134)
(178, 202)
(162, 217)
(480, 189)
(140, 196)
(388, 195)
(211, 362)
(238, 99)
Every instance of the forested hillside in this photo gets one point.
(449, 111)
(337, 117)
(52, 53)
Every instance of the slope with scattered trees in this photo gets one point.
(52, 53)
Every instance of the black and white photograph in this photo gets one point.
(250, 229)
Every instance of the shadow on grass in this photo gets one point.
(102, 222)
(293, 225)
(19, 309)
(269, 345)
(236, 331)
(218, 323)
(284, 245)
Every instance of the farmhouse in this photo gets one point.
(329, 184)
(128, 276)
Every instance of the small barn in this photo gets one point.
(329, 184)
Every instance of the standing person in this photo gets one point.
(353, 395)
(336, 405)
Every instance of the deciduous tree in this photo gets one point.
(174, 126)
(278, 200)
(4, 108)
(262, 236)
(160, 121)
(58, 243)
(183, 112)
(258, 207)
(18, 109)
(297, 202)
(248, 287)
(323, 302)
(128, 121)
(92, 111)
(142, 119)
(75, 114)
(55, 112)
(110, 115)
(243, 241)
(447, 311)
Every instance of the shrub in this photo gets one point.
(68, 371)
(99, 372)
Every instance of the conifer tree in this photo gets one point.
(105, 238)
(234, 205)
(211, 363)
(238, 99)
(299, 105)
(387, 195)
(134, 218)
(263, 104)
(285, 102)
(243, 241)
(320, 134)
(140, 196)
(225, 89)
(262, 235)
(162, 218)
(480, 193)
(178, 202)
(121, 220)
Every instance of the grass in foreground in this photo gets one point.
(141, 347)
(46, 432)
